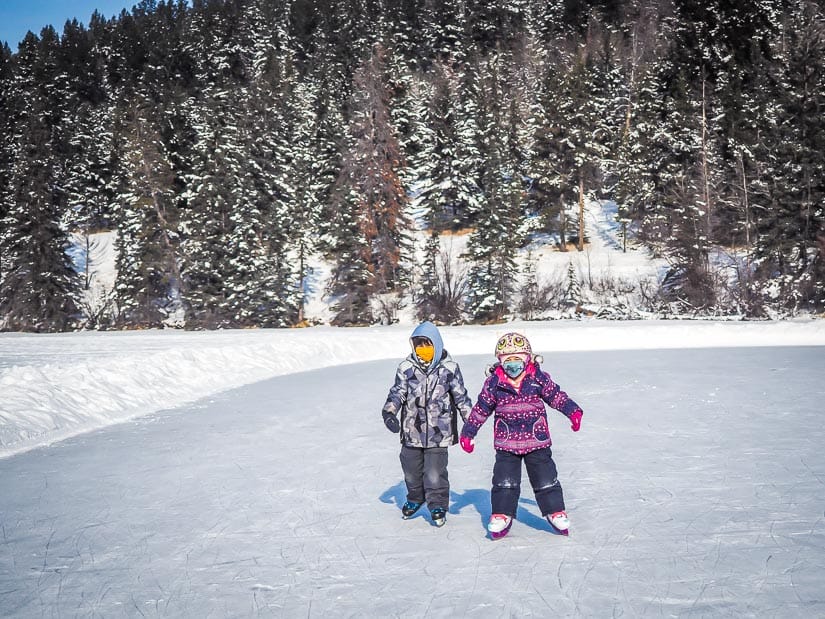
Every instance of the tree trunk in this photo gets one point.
(563, 231)
(87, 276)
(581, 212)
(705, 172)
(747, 211)
(301, 277)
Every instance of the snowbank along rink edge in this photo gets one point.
(57, 386)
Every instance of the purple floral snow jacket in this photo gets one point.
(520, 424)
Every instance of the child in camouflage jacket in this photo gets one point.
(428, 394)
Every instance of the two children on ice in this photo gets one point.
(515, 392)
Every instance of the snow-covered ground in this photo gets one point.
(603, 256)
(255, 477)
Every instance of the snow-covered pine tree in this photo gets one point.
(148, 278)
(327, 74)
(90, 166)
(495, 23)
(263, 280)
(91, 197)
(328, 145)
(345, 29)
(792, 227)
(735, 52)
(39, 284)
(418, 140)
(215, 263)
(469, 163)
(370, 182)
(444, 159)
(687, 191)
(444, 32)
(352, 282)
(633, 172)
(498, 232)
(545, 196)
(573, 289)
(426, 293)
(6, 142)
(587, 116)
(547, 18)
(310, 177)
(89, 176)
(554, 168)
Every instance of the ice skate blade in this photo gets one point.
(500, 534)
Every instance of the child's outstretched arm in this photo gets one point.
(395, 400)
(458, 392)
(554, 397)
(485, 405)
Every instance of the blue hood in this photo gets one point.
(429, 330)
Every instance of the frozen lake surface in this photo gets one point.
(696, 487)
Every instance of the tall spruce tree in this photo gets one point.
(791, 232)
(372, 184)
(7, 73)
(498, 232)
(148, 283)
(687, 190)
(445, 160)
(39, 284)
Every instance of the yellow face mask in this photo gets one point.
(424, 350)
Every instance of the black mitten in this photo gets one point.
(391, 421)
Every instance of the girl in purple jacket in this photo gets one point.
(516, 391)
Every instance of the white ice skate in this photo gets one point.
(559, 521)
(499, 525)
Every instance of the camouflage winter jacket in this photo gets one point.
(427, 399)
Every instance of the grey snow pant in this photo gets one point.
(425, 473)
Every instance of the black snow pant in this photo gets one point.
(425, 473)
(543, 477)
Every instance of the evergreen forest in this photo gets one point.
(231, 144)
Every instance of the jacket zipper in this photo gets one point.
(426, 409)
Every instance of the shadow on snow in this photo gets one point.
(476, 498)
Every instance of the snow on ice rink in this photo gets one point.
(251, 475)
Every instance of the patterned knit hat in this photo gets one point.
(513, 344)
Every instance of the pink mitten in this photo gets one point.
(576, 420)
(467, 444)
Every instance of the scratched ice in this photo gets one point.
(696, 487)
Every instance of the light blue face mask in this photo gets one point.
(513, 368)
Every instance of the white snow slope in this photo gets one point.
(255, 477)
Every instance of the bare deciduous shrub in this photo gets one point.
(443, 299)
(537, 298)
(385, 307)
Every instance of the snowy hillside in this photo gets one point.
(611, 278)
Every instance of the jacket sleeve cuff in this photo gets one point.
(570, 407)
(469, 430)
